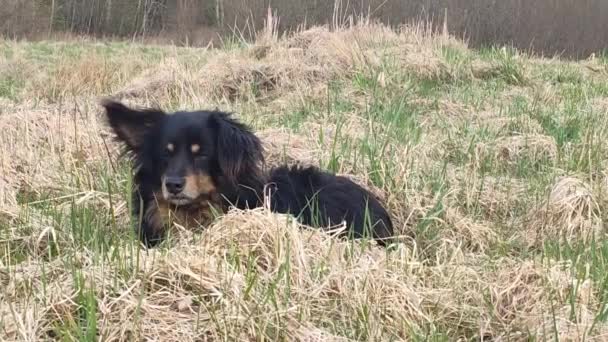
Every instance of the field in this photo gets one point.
(493, 164)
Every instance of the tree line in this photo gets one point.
(570, 27)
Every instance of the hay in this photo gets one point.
(271, 69)
(533, 147)
(499, 197)
(233, 76)
(484, 70)
(66, 143)
(458, 116)
(282, 146)
(313, 142)
(510, 151)
(571, 212)
(87, 76)
(186, 288)
(153, 82)
(471, 235)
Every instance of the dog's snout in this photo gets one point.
(175, 185)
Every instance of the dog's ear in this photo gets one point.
(239, 150)
(130, 125)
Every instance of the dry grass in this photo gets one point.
(270, 68)
(204, 290)
(465, 148)
(532, 147)
(570, 212)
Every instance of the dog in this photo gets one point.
(190, 166)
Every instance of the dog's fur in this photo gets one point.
(188, 164)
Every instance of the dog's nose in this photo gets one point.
(175, 185)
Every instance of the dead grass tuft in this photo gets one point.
(271, 69)
(313, 57)
(314, 141)
(570, 212)
(66, 144)
(544, 93)
(533, 147)
(153, 82)
(473, 235)
(484, 70)
(600, 104)
(512, 151)
(86, 76)
(457, 116)
(234, 76)
(498, 197)
(283, 146)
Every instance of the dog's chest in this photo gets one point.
(164, 215)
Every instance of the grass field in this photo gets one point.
(494, 166)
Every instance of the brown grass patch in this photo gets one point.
(473, 235)
(497, 196)
(534, 147)
(187, 287)
(306, 60)
(570, 212)
(234, 76)
(458, 116)
(314, 142)
(600, 104)
(484, 70)
(508, 152)
(65, 144)
(153, 82)
(283, 146)
(86, 76)
(500, 195)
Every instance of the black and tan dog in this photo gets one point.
(189, 163)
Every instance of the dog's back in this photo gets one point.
(321, 199)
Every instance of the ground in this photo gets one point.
(492, 163)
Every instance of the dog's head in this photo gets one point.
(188, 153)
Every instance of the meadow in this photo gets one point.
(492, 162)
